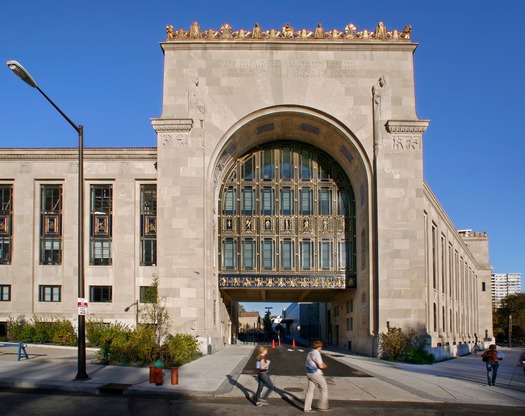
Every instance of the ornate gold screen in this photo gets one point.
(286, 220)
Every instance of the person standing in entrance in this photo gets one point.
(262, 365)
(314, 366)
(490, 358)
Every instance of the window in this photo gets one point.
(286, 163)
(325, 202)
(148, 294)
(349, 306)
(325, 255)
(100, 294)
(229, 251)
(483, 286)
(6, 217)
(51, 224)
(307, 254)
(287, 201)
(434, 256)
(287, 254)
(148, 229)
(267, 201)
(229, 201)
(268, 254)
(305, 202)
(306, 165)
(49, 293)
(101, 224)
(249, 248)
(268, 165)
(248, 201)
(286, 208)
(5, 293)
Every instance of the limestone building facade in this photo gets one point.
(288, 167)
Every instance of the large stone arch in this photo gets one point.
(296, 123)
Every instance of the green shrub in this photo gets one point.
(15, 327)
(117, 343)
(179, 349)
(40, 331)
(398, 346)
(63, 333)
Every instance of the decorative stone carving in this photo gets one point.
(380, 31)
(319, 32)
(407, 126)
(182, 125)
(179, 140)
(406, 142)
(287, 32)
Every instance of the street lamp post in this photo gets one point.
(21, 73)
(136, 304)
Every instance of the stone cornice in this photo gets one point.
(407, 126)
(174, 125)
(287, 32)
(72, 154)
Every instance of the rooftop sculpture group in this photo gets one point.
(287, 32)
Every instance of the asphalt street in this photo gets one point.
(24, 403)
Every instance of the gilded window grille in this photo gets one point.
(286, 211)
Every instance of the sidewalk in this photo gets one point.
(460, 380)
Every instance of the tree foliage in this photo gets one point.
(154, 311)
(512, 305)
(267, 324)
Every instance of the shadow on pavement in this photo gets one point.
(287, 361)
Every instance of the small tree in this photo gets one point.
(154, 312)
(267, 324)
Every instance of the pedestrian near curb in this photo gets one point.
(263, 377)
(522, 361)
(490, 358)
(314, 366)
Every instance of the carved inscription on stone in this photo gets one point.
(24, 167)
(173, 139)
(294, 68)
(406, 142)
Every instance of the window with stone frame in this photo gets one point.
(6, 221)
(148, 224)
(101, 224)
(102, 294)
(49, 293)
(51, 224)
(5, 293)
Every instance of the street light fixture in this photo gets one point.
(136, 304)
(21, 73)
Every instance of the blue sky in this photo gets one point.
(100, 61)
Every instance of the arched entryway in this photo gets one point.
(291, 192)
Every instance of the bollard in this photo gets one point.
(155, 373)
(273, 343)
(174, 375)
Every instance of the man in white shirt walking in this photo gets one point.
(314, 366)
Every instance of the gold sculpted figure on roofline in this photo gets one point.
(287, 33)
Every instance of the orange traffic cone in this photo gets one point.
(273, 343)
(293, 343)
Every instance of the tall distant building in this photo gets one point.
(503, 285)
